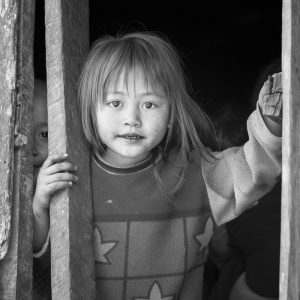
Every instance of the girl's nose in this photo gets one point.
(132, 118)
(133, 123)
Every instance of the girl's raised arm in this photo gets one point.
(242, 175)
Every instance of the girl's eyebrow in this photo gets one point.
(140, 94)
(152, 94)
(114, 93)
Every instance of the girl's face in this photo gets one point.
(132, 120)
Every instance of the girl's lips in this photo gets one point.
(131, 136)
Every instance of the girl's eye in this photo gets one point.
(44, 134)
(114, 103)
(149, 105)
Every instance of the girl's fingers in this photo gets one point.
(61, 177)
(56, 186)
(54, 158)
(60, 167)
(270, 96)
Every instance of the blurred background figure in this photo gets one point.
(41, 267)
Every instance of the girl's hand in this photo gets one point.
(54, 175)
(270, 104)
(270, 96)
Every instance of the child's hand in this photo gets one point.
(54, 175)
(270, 96)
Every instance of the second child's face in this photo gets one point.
(132, 120)
(40, 130)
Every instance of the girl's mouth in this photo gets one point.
(130, 136)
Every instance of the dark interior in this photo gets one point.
(226, 45)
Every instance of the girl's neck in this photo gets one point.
(103, 160)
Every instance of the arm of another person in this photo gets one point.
(241, 290)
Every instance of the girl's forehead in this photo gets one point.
(135, 79)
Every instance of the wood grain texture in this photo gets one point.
(16, 267)
(8, 60)
(290, 217)
(71, 210)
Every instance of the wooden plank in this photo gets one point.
(290, 217)
(23, 148)
(8, 60)
(72, 262)
(16, 89)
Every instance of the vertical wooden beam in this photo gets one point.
(8, 62)
(67, 40)
(290, 217)
(16, 92)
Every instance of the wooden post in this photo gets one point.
(290, 217)
(72, 261)
(16, 92)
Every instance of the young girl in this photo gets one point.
(158, 191)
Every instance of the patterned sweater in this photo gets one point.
(148, 246)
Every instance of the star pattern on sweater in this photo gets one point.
(155, 293)
(204, 237)
(102, 249)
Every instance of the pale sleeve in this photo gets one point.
(241, 175)
(44, 248)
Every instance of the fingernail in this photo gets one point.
(70, 183)
(65, 154)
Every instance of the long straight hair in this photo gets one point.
(189, 127)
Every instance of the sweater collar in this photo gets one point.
(138, 167)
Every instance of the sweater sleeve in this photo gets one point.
(241, 175)
(44, 248)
